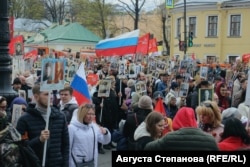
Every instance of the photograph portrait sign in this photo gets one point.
(104, 88)
(205, 94)
(53, 74)
(72, 68)
(22, 93)
(132, 70)
(16, 114)
(203, 72)
(183, 89)
(141, 88)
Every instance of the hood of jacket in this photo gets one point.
(72, 101)
(217, 90)
(184, 118)
(141, 131)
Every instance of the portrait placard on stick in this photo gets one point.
(104, 88)
(72, 68)
(183, 89)
(140, 88)
(22, 93)
(53, 74)
(206, 94)
(132, 70)
(203, 72)
(16, 114)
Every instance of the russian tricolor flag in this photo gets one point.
(80, 86)
(120, 45)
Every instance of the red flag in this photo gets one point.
(92, 79)
(31, 54)
(11, 26)
(142, 46)
(152, 47)
(16, 45)
(159, 107)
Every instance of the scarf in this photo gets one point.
(43, 111)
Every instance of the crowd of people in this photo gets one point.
(155, 119)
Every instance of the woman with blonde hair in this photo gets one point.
(209, 119)
(84, 137)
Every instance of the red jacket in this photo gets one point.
(231, 144)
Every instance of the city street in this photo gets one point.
(105, 160)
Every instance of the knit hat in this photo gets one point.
(145, 102)
(169, 97)
(20, 101)
(230, 113)
(157, 94)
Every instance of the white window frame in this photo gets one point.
(217, 25)
(177, 35)
(210, 55)
(229, 24)
(188, 28)
(231, 55)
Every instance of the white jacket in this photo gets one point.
(81, 138)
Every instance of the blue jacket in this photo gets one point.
(32, 123)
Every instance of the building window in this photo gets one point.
(235, 25)
(212, 26)
(178, 33)
(211, 59)
(232, 59)
(192, 25)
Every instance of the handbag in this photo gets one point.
(84, 163)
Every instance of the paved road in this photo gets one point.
(104, 160)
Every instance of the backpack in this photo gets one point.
(14, 152)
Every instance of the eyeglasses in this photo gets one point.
(89, 105)
(208, 105)
(91, 114)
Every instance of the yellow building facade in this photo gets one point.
(220, 29)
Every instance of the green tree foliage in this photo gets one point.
(30, 9)
(96, 15)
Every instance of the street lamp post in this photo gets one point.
(185, 28)
(5, 60)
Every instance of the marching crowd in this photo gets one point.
(157, 119)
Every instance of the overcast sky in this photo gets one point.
(149, 4)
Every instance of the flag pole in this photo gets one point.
(101, 110)
(120, 98)
(46, 128)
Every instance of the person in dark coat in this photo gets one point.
(68, 104)
(186, 136)
(149, 130)
(31, 125)
(107, 112)
(134, 119)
